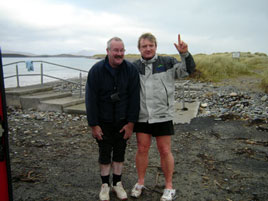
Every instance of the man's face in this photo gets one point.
(116, 53)
(147, 49)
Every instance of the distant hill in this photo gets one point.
(62, 55)
(10, 53)
(25, 55)
(14, 55)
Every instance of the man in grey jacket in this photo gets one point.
(157, 78)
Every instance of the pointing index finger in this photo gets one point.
(179, 39)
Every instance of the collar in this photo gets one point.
(112, 70)
(152, 60)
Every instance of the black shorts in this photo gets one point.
(113, 145)
(155, 129)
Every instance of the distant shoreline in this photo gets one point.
(11, 55)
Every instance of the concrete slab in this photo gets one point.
(57, 105)
(13, 94)
(28, 89)
(33, 100)
(76, 109)
(180, 117)
(185, 115)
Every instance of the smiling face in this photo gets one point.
(147, 48)
(115, 52)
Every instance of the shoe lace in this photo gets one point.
(139, 187)
(167, 193)
(105, 190)
(120, 187)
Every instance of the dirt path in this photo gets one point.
(214, 160)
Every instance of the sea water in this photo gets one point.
(81, 63)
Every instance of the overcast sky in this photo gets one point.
(71, 26)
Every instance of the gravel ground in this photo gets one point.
(54, 157)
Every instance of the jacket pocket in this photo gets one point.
(160, 99)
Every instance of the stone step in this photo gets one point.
(58, 104)
(42, 98)
(13, 95)
(28, 89)
(76, 109)
(33, 100)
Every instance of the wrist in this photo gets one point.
(130, 125)
(184, 54)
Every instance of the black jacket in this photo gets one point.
(111, 97)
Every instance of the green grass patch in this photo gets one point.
(219, 66)
(127, 56)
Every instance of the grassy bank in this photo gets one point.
(221, 66)
(264, 82)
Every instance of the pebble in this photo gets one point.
(225, 101)
(264, 98)
(204, 105)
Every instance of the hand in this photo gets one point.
(128, 129)
(182, 47)
(97, 132)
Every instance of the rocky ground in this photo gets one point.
(222, 155)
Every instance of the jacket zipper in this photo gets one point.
(166, 92)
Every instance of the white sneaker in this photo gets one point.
(137, 190)
(168, 195)
(120, 191)
(104, 193)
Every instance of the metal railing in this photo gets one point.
(42, 75)
(185, 84)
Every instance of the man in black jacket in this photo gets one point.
(112, 104)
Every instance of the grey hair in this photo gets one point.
(115, 39)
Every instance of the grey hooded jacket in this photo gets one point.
(157, 78)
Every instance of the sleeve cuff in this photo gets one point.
(186, 54)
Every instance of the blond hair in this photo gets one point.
(149, 37)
